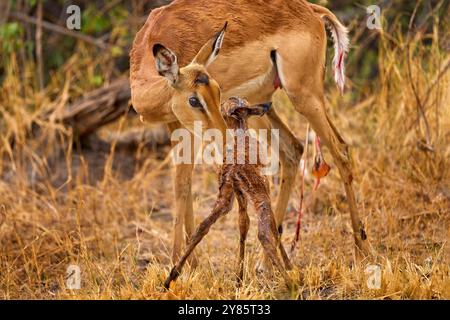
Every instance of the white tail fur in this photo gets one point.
(341, 43)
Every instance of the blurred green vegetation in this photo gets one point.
(115, 23)
(363, 61)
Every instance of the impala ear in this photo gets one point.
(209, 52)
(166, 63)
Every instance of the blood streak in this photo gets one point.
(277, 82)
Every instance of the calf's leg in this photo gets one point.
(222, 207)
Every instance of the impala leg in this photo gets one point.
(244, 224)
(223, 206)
(277, 236)
(183, 205)
(312, 107)
(291, 150)
(302, 75)
(184, 209)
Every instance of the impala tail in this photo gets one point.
(341, 42)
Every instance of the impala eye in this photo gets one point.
(195, 102)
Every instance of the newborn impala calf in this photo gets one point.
(244, 180)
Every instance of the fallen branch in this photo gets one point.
(98, 108)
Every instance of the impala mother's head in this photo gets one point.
(196, 95)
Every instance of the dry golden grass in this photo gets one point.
(60, 207)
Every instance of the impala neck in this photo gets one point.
(151, 99)
(222, 127)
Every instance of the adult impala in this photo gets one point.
(269, 45)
